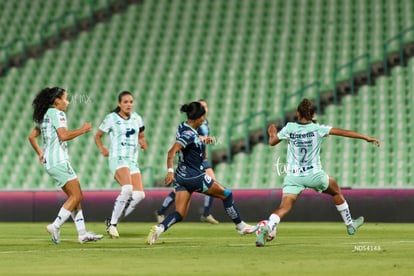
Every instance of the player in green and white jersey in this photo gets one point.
(49, 115)
(126, 132)
(304, 169)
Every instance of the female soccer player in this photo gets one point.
(304, 169)
(204, 132)
(190, 175)
(126, 131)
(49, 115)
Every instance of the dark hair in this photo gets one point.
(194, 110)
(44, 99)
(120, 96)
(306, 109)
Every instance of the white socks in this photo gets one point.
(343, 209)
(77, 216)
(136, 198)
(62, 216)
(124, 195)
(273, 221)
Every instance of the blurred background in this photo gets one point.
(253, 61)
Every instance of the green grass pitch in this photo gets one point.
(190, 248)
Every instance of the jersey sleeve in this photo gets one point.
(203, 130)
(59, 120)
(140, 123)
(185, 138)
(106, 124)
(324, 130)
(283, 134)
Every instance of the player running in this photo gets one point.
(190, 175)
(126, 131)
(49, 115)
(204, 132)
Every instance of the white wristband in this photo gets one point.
(170, 170)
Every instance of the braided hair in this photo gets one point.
(306, 109)
(44, 99)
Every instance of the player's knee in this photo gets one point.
(126, 190)
(227, 192)
(138, 195)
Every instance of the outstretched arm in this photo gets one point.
(353, 134)
(65, 134)
(273, 139)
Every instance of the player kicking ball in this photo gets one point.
(304, 169)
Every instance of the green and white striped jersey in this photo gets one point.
(123, 134)
(304, 145)
(54, 150)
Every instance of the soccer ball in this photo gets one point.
(271, 234)
(260, 224)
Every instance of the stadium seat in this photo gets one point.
(241, 57)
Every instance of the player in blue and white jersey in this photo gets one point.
(204, 132)
(49, 115)
(190, 175)
(304, 169)
(126, 131)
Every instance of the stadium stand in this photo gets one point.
(242, 56)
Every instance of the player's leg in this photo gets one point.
(182, 204)
(292, 187)
(123, 177)
(137, 196)
(67, 180)
(167, 202)
(217, 190)
(208, 201)
(342, 206)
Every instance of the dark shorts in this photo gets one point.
(200, 183)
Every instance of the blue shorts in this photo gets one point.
(200, 183)
(296, 184)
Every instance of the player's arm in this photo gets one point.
(273, 138)
(353, 134)
(207, 140)
(170, 162)
(141, 139)
(65, 135)
(99, 144)
(35, 144)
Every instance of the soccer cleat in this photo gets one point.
(209, 219)
(159, 218)
(54, 232)
(107, 224)
(272, 234)
(262, 236)
(356, 223)
(113, 231)
(154, 233)
(89, 236)
(247, 229)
